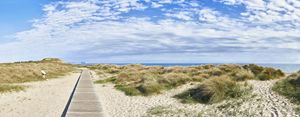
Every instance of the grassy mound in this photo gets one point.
(31, 71)
(214, 90)
(290, 87)
(264, 73)
(147, 80)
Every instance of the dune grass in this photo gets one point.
(28, 71)
(31, 71)
(162, 111)
(10, 88)
(290, 87)
(215, 90)
(137, 79)
(264, 73)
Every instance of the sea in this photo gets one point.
(287, 68)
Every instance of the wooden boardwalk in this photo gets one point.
(84, 101)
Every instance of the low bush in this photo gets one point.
(214, 90)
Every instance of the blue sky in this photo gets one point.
(16, 15)
(138, 31)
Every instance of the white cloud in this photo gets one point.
(156, 5)
(181, 15)
(94, 30)
(230, 2)
(208, 15)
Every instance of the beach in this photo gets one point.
(262, 102)
(40, 99)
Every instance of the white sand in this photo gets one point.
(269, 102)
(266, 103)
(40, 99)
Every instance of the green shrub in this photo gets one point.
(214, 90)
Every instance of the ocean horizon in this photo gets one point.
(287, 68)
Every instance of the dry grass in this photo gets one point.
(10, 88)
(264, 73)
(215, 90)
(30, 71)
(290, 87)
(148, 80)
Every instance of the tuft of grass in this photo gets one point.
(163, 111)
(290, 87)
(214, 90)
(150, 88)
(10, 88)
(158, 111)
(242, 75)
(264, 73)
(128, 90)
(111, 79)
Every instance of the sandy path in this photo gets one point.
(263, 102)
(116, 104)
(270, 103)
(40, 99)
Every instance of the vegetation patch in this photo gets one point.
(137, 79)
(290, 87)
(112, 79)
(162, 111)
(20, 72)
(264, 73)
(10, 88)
(215, 90)
(158, 110)
(128, 90)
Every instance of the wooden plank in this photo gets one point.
(85, 102)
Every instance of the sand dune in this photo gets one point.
(262, 102)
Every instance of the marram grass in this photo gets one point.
(290, 87)
(150, 80)
(10, 88)
(31, 71)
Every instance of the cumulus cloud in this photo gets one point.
(180, 31)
